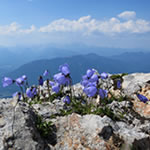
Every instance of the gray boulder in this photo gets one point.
(17, 127)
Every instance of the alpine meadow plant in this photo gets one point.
(91, 84)
(31, 92)
(60, 87)
(62, 80)
(21, 82)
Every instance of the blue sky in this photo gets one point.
(106, 23)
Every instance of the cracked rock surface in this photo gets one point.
(18, 129)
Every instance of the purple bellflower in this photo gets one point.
(51, 83)
(103, 93)
(46, 73)
(56, 88)
(7, 81)
(34, 91)
(142, 98)
(31, 92)
(84, 77)
(90, 91)
(104, 75)
(18, 94)
(67, 100)
(91, 84)
(20, 81)
(94, 78)
(118, 84)
(60, 78)
(64, 69)
(90, 72)
(84, 83)
(24, 77)
(41, 80)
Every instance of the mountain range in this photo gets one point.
(127, 62)
(13, 57)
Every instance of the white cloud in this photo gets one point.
(127, 15)
(87, 25)
(28, 31)
(7, 29)
(84, 29)
(14, 29)
(65, 25)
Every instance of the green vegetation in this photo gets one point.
(118, 76)
(44, 128)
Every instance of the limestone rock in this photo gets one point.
(17, 128)
(133, 82)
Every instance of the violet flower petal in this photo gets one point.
(7, 81)
(104, 75)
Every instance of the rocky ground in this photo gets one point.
(19, 131)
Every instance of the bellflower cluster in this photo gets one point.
(59, 81)
(90, 83)
(21, 81)
(103, 93)
(64, 69)
(90, 90)
(31, 92)
(55, 86)
(63, 78)
(60, 78)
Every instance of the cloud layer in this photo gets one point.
(123, 24)
(86, 25)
